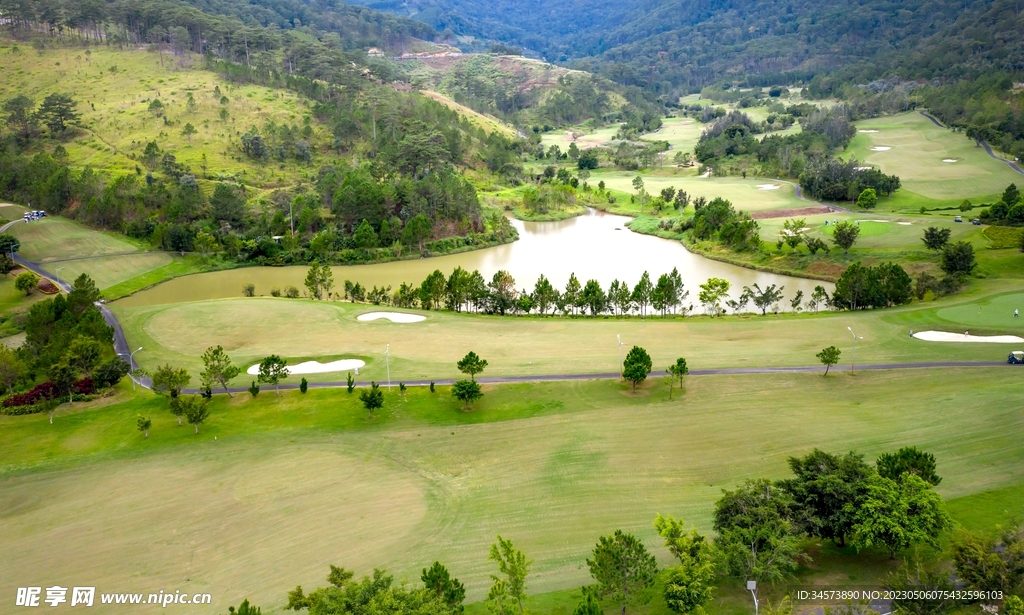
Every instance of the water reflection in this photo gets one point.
(593, 246)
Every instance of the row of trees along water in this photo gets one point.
(469, 291)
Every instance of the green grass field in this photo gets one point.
(918, 150)
(744, 193)
(293, 483)
(250, 329)
(114, 107)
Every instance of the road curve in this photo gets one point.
(1013, 165)
(122, 348)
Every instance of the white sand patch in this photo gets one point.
(768, 186)
(950, 160)
(883, 221)
(862, 168)
(880, 148)
(315, 367)
(904, 223)
(944, 336)
(707, 174)
(392, 316)
(867, 131)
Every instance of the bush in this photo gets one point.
(303, 385)
(47, 391)
(110, 373)
(291, 292)
(254, 389)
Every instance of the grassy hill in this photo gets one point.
(115, 89)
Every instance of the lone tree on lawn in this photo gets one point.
(678, 370)
(467, 391)
(936, 238)
(623, 569)
(472, 364)
(844, 235)
(218, 368)
(636, 366)
(273, 370)
(829, 357)
(170, 381)
(372, 397)
(195, 410)
(25, 282)
(144, 424)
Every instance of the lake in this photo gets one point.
(593, 246)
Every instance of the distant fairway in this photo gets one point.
(918, 150)
(596, 138)
(295, 483)
(250, 329)
(743, 193)
(902, 233)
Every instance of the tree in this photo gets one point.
(594, 298)
(170, 381)
(589, 605)
(445, 587)
(84, 354)
(797, 301)
(227, 203)
(218, 368)
(867, 199)
(471, 364)
(958, 259)
(273, 370)
(936, 238)
(364, 236)
(636, 366)
(143, 425)
(711, 294)
(319, 281)
(818, 298)
(688, 586)
(793, 231)
(25, 282)
(12, 368)
(827, 490)
(1013, 605)
(908, 459)
(249, 290)
(829, 357)
(678, 370)
(986, 562)
(350, 383)
(188, 131)
(756, 536)
(9, 244)
(254, 389)
(926, 592)
(195, 410)
(623, 569)
(20, 118)
(417, 230)
(764, 299)
(372, 398)
(62, 375)
(467, 391)
(544, 295)
(642, 292)
(895, 514)
(844, 235)
(57, 111)
(1011, 195)
(513, 564)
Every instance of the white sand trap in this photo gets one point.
(880, 148)
(392, 316)
(950, 160)
(316, 367)
(867, 131)
(944, 336)
(768, 186)
(862, 168)
(883, 221)
(904, 223)
(707, 174)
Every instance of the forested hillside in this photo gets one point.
(195, 132)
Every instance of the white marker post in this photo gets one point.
(853, 364)
(619, 337)
(752, 588)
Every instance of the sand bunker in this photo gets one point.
(862, 168)
(880, 148)
(883, 221)
(867, 131)
(707, 174)
(943, 336)
(904, 223)
(949, 160)
(316, 367)
(392, 316)
(768, 186)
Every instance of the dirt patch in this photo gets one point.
(789, 213)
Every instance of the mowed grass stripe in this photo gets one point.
(296, 482)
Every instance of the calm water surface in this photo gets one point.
(593, 246)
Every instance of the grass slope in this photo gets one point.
(918, 148)
(114, 89)
(294, 483)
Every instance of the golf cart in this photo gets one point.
(1016, 357)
